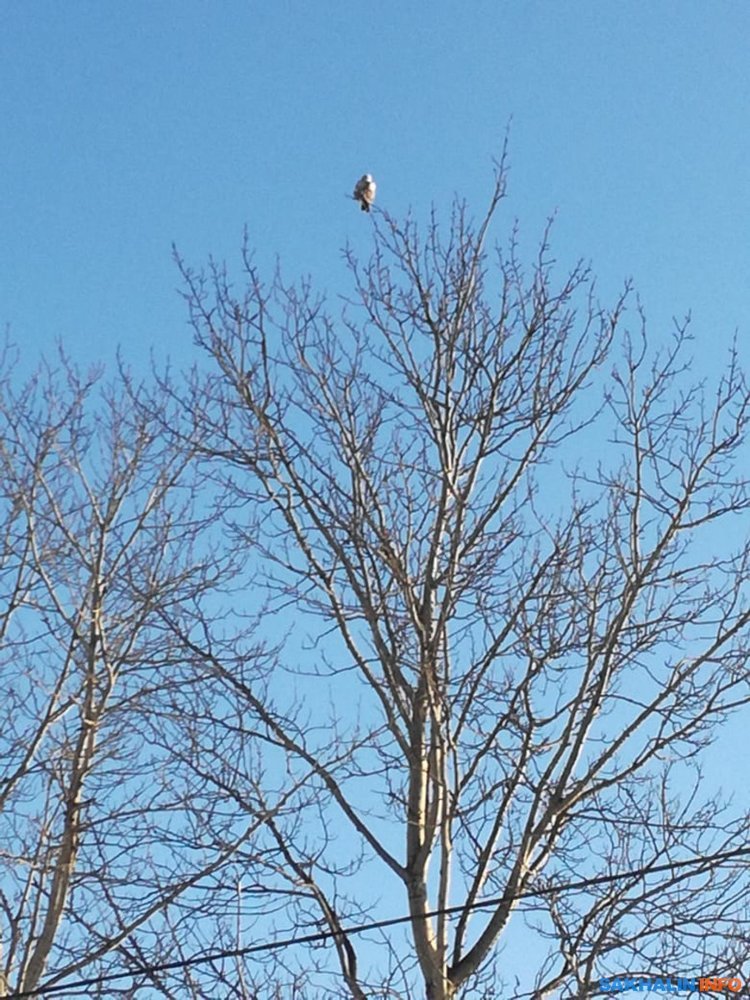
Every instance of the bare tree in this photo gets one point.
(510, 529)
(100, 539)
(432, 607)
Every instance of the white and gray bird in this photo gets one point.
(364, 191)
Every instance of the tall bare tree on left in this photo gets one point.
(100, 539)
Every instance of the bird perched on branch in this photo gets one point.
(364, 191)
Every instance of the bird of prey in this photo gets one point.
(364, 191)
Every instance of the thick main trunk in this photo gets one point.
(440, 991)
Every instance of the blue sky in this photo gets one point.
(125, 127)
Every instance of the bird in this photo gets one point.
(364, 191)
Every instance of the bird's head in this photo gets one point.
(367, 178)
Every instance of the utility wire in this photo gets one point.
(588, 883)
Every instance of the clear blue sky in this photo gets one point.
(126, 126)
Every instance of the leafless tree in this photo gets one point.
(501, 539)
(432, 606)
(100, 539)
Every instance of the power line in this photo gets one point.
(588, 883)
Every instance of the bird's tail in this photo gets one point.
(365, 207)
